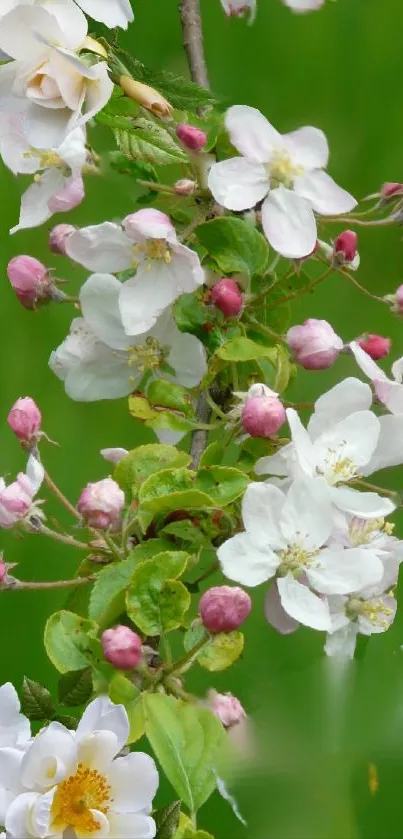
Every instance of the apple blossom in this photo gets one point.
(98, 360)
(226, 707)
(263, 413)
(110, 12)
(303, 5)
(315, 344)
(25, 419)
(17, 499)
(122, 647)
(224, 608)
(388, 391)
(285, 172)
(286, 535)
(58, 767)
(165, 267)
(58, 237)
(238, 8)
(376, 346)
(101, 504)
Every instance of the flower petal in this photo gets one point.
(323, 194)
(366, 505)
(308, 147)
(130, 826)
(347, 397)
(35, 208)
(242, 562)
(18, 814)
(98, 749)
(100, 247)
(143, 298)
(366, 363)
(10, 769)
(275, 615)
(187, 357)
(149, 223)
(345, 571)
(341, 644)
(102, 714)
(261, 510)
(51, 756)
(110, 12)
(237, 183)
(302, 604)
(46, 128)
(19, 28)
(99, 299)
(134, 782)
(251, 133)
(15, 728)
(354, 439)
(306, 516)
(304, 448)
(389, 451)
(288, 223)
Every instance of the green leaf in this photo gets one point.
(149, 549)
(172, 421)
(36, 701)
(123, 692)
(167, 820)
(186, 830)
(136, 168)
(185, 530)
(283, 371)
(141, 138)
(235, 245)
(251, 450)
(75, 688)
(139, 464)
(168, 395)
(222, 483)
(67, 720)
(172, 489)
(180, 92)
(212, 455)
(243, 349)
(191, 315)
(186, 740)
(107, 595)
(156, 601)
(68, 641)
(222, 651)
(140, 408)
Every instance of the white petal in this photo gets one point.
(50, 758)
(35, 200)
(275, 615)
(110, 12)
(341, 644)
(101, 247)
(389, 451)
(107, 377)
(323, 194)
(98, 91)
(40, 815)
(261, 510)
(397, 370)
(35, 472)
(185, 266)
(14, 148)
(345, 571)
(289, 223)
(130, 826)
(99, 299)
(302, 604)
(149, 224)
(98, 749)
(308, 147)
(19, 29)
(390, 394)
(187, 357)
(18, 815)
(237, 183)
(134, 782)
(354, 439)
(304, 449)
(275, 464)
(242, 562)
(114, 455)
(143, 298)
(10, 769)
(366, 363)
(14, 726)
(251, 133)
(303, 5)
(71, 21)
(366, 505)
(102, 714)
(347, 397)
(306, 517)
(45, 127)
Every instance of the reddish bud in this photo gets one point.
(3, 571)
(101, 504)
(224, 608)
(58, 237)
(25, 419)
(315, 344)
(389, 190)
(227, 298)
(263, 413)
(345, 245)
(226, 707)
(375, 346)
(185, 187)
(191, 137)
(121, 647)
(29, 279)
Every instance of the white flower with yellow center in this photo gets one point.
(286, 172)
(164, 267)
(74, 784)
(286, 536)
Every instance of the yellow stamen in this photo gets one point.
(75, 797)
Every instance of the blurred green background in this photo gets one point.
(317, 728)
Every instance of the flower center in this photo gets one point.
(336, 467)
(293, 559)
(374, 610)
(148, 356)
(282, 170)
(76, 797)
(150, 250)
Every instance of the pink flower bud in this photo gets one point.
(375, 345)
(29, 279)
(185, 187)
(315, 344)
(69, 197)
(191, 137)
(3, 571)
(15, 500)
(148, 224)
(25, 419)
(226, 707)
(398, 300)
(101, 503)
(226, 296)
(58, 237)
(345, 246)
(122, 647)
(263, 412)
(224, 608)
(389, 190)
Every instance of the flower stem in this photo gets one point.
(188, 658)
(59, 495)
(362, 289)
(60, 537)
(36, 586)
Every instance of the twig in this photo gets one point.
(60, 537)
(193, 40)
(24, 584)
(62, 498)
(199, 437)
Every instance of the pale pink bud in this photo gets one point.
(148, 223)
(263, 413)
(185, 187)
(389, 190)
(191, 137)
(59, 236)
(121, 647)
(114, 455)
(345, 246)
(226, 707)
(101, 503)
(3, 571)
(25, 419)
(226, 296)
(69, 197)
(224, 608)
(315, 344)
(375, 346)
(398, 300)
(15, 501)
(30, 280)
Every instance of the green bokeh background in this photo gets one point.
(316, 728)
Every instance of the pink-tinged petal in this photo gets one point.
(243, 563)
(303, 605)
(308, 147)
(143, 298)
(251, 133)
(35, 209)
(323, 194)
(100, 247)
(289, 223)
(366, 505)
(366, 363)
(237, 183)
(341, 644)
(345, 571)
(345, 398)
(149, 224)
(390, 394)
(99, 299)
(275, 615)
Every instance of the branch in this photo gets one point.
(18, 585)
(193, 40)
(199, 437)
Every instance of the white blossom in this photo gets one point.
(304, 5)
(110, 12)
(15, 732)
(388, 391)
(286, 172)
(17, 499)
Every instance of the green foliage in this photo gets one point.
(138, 169)
(186, 740)
(235, 245)
(75, 688)
(156, 600)
(192, 315)
(143, 138)
(167, 820)
(243, 349)
(144, 461)
(283, 371)
(180, 92)
(212, 455)
(123, 692)
(221, 483)
(169, 490)
(36, 701)
(68, 641)
(168, 395)
(222, 651)
(107, 595)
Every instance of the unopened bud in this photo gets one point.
(147, 97)
(345, 246)
(58, 237)
(25, 419)
(224, 608)
(376, 346)
(192, 137)
(396, 300)
(227, 297)
(101, 504)
(226, 707)
(3, 571)
(15, 501)
(30, 280)
(263, 413)
(121, 647)
(185, 187)
(389, 190)
(69, 197)
(314, 343)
